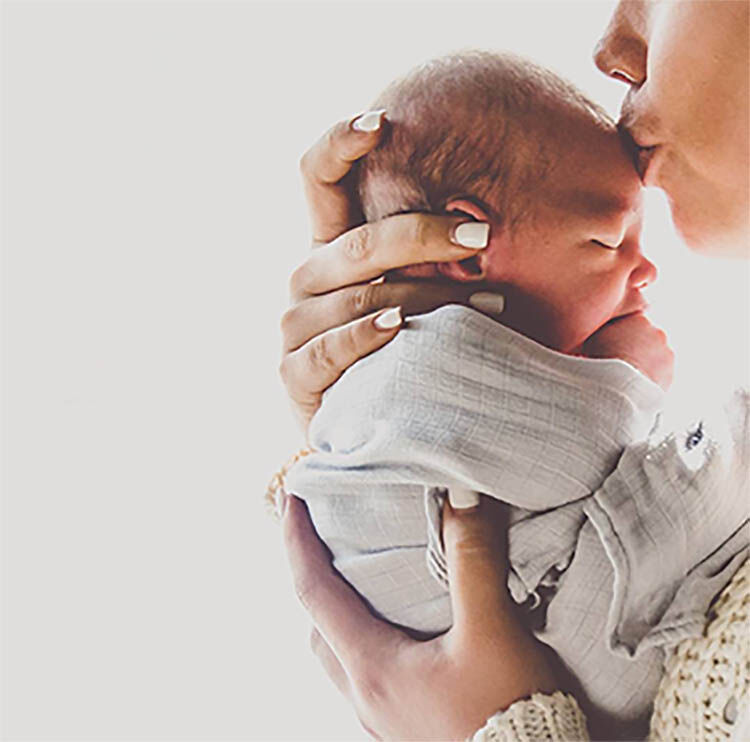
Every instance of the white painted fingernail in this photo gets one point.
(475, 235)
(460, 498)
(486, 301)
(370, 121)
(389, 319)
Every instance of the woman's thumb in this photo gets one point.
(475, 542)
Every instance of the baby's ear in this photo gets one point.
(465, 206)
(482, 266)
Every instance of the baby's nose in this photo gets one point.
(644, 273)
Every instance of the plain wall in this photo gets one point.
(152, 213)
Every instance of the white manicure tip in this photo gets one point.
(472, 234)
(369, 121)
(460, 499)
(389, 319)
(487, 302)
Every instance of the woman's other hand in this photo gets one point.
(441, 689)
(634, 339)
(340, 312)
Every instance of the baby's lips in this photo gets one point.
(636, 305)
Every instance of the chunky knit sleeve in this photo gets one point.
(541, 718)
(704, 695)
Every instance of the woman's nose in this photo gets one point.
(621, 52)
(643, 274)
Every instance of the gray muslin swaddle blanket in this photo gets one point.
(621, 534)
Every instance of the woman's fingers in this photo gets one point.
(486, 623)
(333, 210)
(353, 634)
(318, 314)
(308, 371)
(475, 545)
(318, 348)
(371, 250)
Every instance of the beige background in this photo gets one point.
(152, 213)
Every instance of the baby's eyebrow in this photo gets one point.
(597, 204)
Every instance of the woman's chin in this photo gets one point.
(708, 220)
(717, 240)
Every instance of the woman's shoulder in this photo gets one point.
(705, 692)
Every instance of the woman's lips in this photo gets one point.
(645, 146)
(648, 159)
(636, 144)
(643, 158)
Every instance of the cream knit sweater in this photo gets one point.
(704, 695)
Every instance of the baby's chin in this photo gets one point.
(573, 342)
(569, 347)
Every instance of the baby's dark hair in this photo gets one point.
(473, 125)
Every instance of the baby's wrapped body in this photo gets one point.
(618, 541)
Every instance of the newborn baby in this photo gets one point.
(512, 144)
(457, 402)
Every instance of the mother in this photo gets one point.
(686, 65)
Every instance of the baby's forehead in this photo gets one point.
(590, 171)
(594, 203)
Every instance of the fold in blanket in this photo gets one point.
(600, 540)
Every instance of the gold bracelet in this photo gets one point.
(277, 481)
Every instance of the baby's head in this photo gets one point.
(508, 142)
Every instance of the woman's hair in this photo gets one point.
(474, 124)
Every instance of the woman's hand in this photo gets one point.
(441, 689)
(337, 314)
(634, 339)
